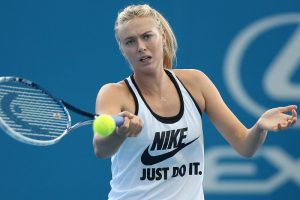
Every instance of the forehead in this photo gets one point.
(137, 26)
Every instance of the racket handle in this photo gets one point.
(118, 119)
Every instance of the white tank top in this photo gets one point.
(166, 161)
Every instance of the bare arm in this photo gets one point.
(110, 100)
(274, 119)
(245, 141)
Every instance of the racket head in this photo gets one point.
(30, 114)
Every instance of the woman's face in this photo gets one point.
(141, 42)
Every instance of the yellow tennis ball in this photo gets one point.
(104, 125)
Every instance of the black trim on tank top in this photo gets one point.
(197, 106)
(136, 110)
(167, 120)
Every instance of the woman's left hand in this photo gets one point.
(276, 119)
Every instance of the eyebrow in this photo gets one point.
(131, 37)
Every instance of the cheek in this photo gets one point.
(158, 46)
(124, 51)
(128, 54)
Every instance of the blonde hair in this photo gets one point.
(134, 11)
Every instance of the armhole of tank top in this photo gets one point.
(193, 99)
(134, 97)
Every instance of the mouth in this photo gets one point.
(145, 58)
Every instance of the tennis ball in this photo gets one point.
(104, 125)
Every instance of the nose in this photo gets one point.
(141, 46)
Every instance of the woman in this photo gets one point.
(158, 152)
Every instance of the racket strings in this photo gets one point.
(31, 112)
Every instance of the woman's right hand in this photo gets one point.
(132, 125)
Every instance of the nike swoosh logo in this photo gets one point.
(148, 159)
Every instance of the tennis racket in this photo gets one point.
(30, 114)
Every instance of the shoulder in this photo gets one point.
(199, 85)
(196, 82)
(114, 98)
(189, 74)
(191, 77)
(113, 89)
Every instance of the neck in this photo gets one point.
(153, 84)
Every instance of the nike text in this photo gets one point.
(152, 174)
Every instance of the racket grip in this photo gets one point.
(118, 119)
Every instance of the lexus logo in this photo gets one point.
(277, 81)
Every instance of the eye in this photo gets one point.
(147, 36)
(129, 42)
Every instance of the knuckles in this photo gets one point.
(131, 127)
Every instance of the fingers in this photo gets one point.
(126, 114)
(135, 127)
(294, 117)
(294, 113)
(287, 122)
(132, 125)
(288, 108)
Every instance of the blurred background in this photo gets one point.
(250, 50)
